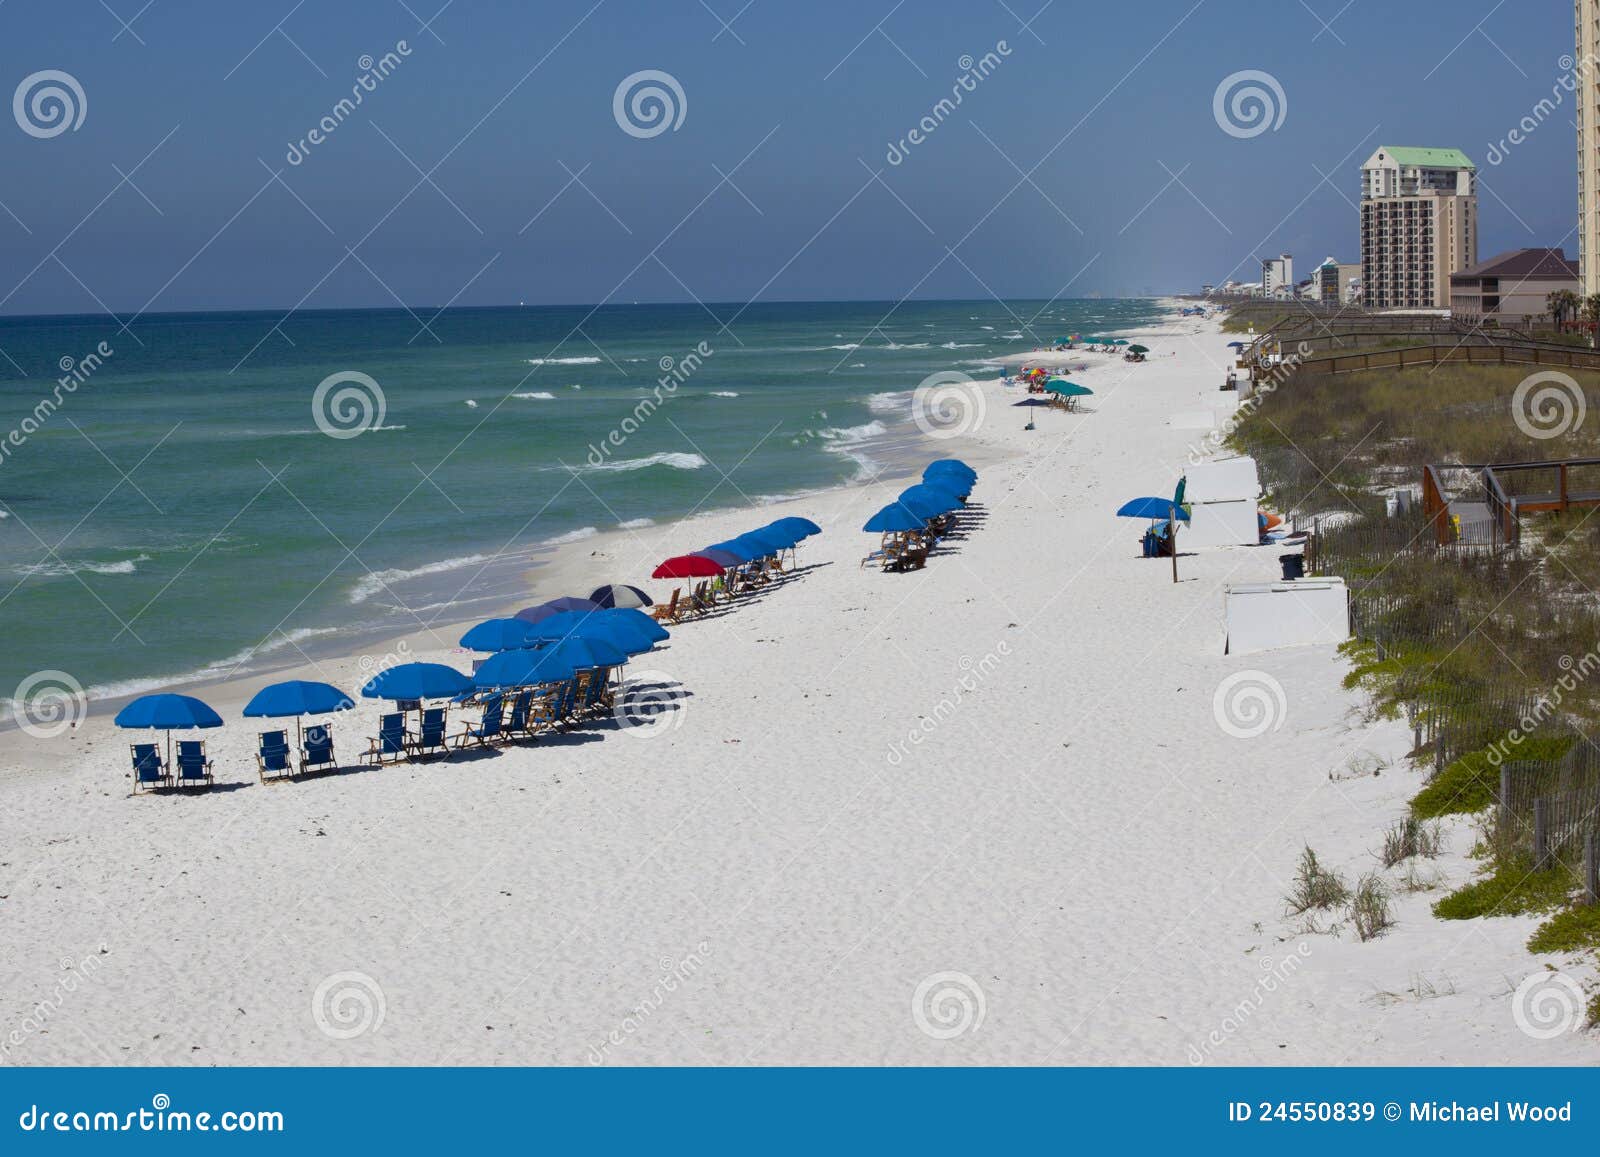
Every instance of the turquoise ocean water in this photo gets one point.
(179, 509)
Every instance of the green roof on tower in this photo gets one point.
(1427, 158)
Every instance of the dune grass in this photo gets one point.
(1513, 888)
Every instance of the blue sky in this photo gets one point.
(775, 184)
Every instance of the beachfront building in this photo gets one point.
(1336, 282)
(1586, 111)
(1277, 276)
(1511, 287)
(1419, 224)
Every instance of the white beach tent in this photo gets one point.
(1222, 503)
(1262, 616)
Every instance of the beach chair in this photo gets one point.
(668, 612)
(517, 724)
(391, 741)
(193, 766)
(700, 601)
(566, 707)
(316, 750)
(488, 729)
(149, 771)
(430, 738)
(272, 756)
(544, 710)
(591, 696)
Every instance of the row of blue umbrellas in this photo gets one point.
(547, 643)
(945, 485)
(763, 542)
(570, 641)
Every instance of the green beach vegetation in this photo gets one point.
(1490, 653)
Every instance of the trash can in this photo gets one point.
(1294, 566)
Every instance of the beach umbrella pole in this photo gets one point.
(1172, 537)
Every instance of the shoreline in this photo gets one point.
(555, 563)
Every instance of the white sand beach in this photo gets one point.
(995, 786)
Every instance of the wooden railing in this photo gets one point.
(1567, 357)
(1506, 509)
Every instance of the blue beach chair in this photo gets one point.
(431, 737)
(518, 725)
(148, 769)
(272, 756)
(316, 751)
(391, 741)
(488, 729)
(193, 766)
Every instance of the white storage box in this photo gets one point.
(1262, 616)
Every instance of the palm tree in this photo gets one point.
(1564, 306)
(1555, 304)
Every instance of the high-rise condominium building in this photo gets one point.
(1419, 224)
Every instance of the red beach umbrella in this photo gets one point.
(687, 566)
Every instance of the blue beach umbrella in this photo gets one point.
(928, 501)
(952, 480)
(1157, 508)
(952, 472)
(893, 518)
(553, 664)
(641, 623)
(947, 464)
(418, 681)
(167, 713)
(496, 635)
(759, 544)
(297, 697)
(613, 628)
(732, 547)
(723, 558)
(555, 607)
(795, 525)
(777, 538)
